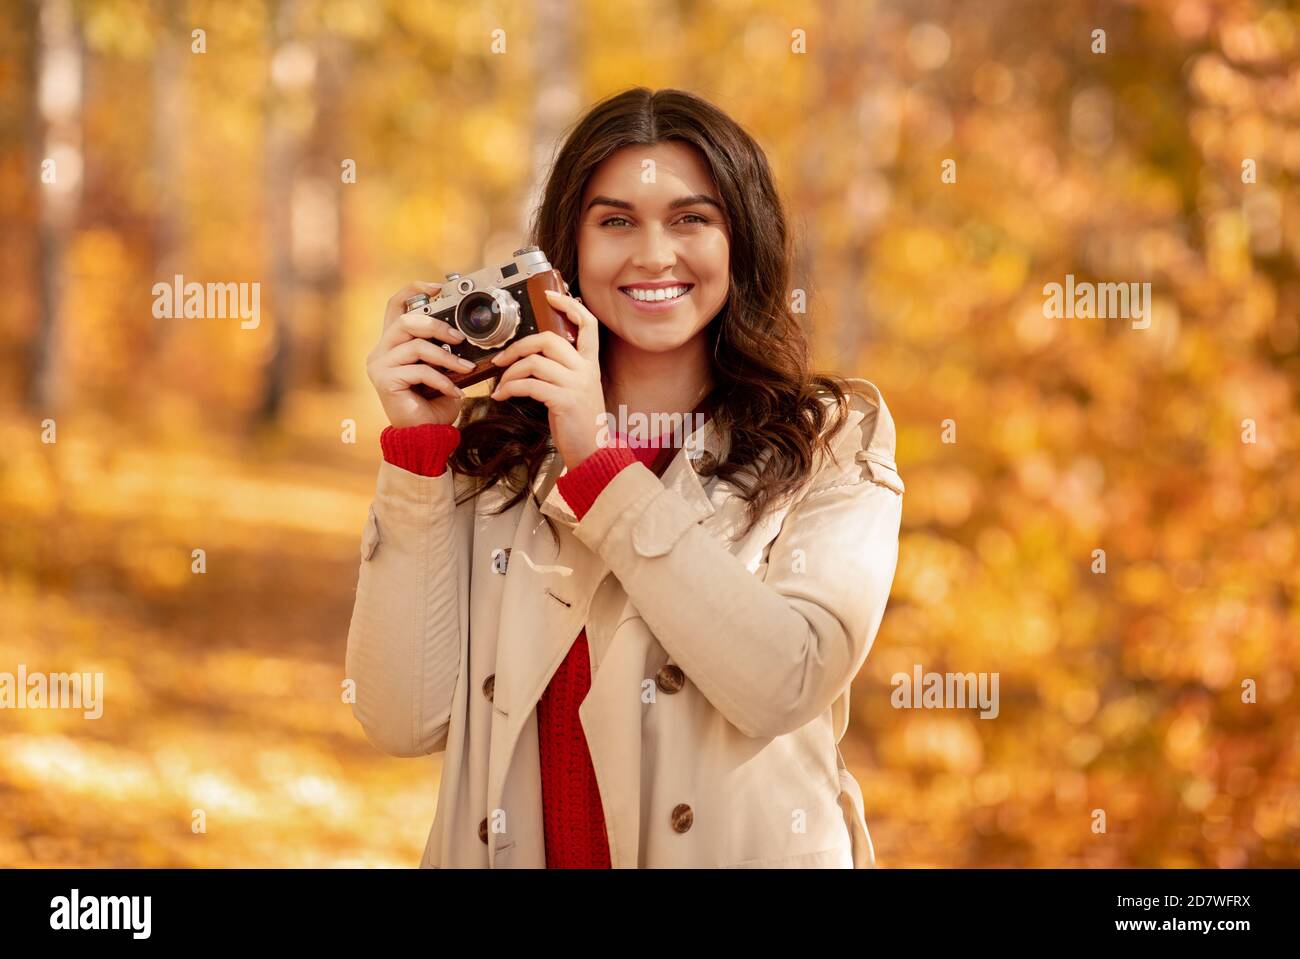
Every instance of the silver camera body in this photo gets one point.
(488, 306)
(493, 307)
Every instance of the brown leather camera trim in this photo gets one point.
(549, 318)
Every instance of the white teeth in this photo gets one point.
(664, 293)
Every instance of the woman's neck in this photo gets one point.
(649, 383)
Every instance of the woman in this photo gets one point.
(632, 654)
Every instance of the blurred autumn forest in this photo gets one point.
(331, 151)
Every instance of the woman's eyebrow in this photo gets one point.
(681, 201)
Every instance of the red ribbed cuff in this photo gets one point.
(422, 449)
(581, 485)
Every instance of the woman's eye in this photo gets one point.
(692, 218)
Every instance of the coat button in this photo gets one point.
(482, 831)
(670, 678)
(682, 817)
(489, 686)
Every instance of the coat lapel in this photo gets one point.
(543, 607)
(547, 601)
(612, 711)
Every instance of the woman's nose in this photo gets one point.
(655, 253)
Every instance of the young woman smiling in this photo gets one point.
(661, 675)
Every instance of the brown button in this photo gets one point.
(490, 686)
(705, 462)
(482, 831)
(682, 817)
(670, 678)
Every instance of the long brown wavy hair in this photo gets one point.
(765, 399)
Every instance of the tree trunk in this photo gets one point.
(555, 92)
(318, 217)
(168, 136)
(280, 160)
(56, 120)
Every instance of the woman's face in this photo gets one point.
(636, 236)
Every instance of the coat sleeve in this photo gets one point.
(404, 650)
(771, 651)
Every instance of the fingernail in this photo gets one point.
(464, 363)
(553, 293)
(456, 335)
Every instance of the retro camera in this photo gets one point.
(493, 308)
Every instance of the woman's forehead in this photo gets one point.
(651, 174)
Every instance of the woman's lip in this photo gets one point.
(661, 286)
(657, 306)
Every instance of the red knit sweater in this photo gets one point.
(572, 815)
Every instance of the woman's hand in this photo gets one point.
(549, 368)
(403, 358)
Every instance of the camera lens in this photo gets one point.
(488, 318)
(479, 318)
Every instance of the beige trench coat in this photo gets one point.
(720, 664)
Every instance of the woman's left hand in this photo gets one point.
(550, 369)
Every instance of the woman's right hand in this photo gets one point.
(404, 357)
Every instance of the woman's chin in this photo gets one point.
(665, 341)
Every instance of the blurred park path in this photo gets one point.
(222, 689)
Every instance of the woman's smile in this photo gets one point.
(656, 299)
